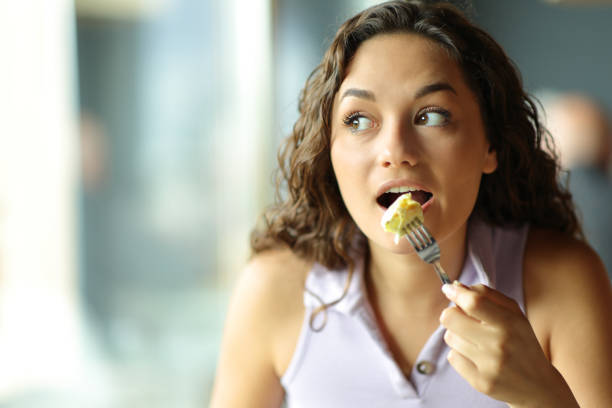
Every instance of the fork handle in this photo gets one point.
(441, 274)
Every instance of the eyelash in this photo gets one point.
(348, 119)
(434, 109)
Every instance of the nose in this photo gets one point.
(398, 147)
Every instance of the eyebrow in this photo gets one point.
(426, 90)
(435, 87)
(359, 93)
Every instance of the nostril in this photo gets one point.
(387, 164)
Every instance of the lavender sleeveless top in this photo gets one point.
(348, 364)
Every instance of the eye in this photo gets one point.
(432, 117)
(357, 122)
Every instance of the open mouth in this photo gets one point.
(420, 196)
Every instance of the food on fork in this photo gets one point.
(400, 214)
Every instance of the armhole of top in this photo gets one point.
(521, 289)
(299, 352)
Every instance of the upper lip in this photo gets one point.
(400, 183)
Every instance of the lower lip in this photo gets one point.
(424, 207)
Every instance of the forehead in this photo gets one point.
(400, 61)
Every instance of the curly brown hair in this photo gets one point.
(312, 220)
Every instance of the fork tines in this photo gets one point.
(426, 247)
(418, 236)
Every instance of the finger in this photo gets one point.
(456, 320)
(463, 365)
(476, 303)
(462, 345)
(496, 296)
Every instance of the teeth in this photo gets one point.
(401, 189)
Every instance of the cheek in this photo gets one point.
(341, 165)
(350, 167)
(461, 171)
(347, 162)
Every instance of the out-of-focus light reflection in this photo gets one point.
(243, 160)
(41, 338)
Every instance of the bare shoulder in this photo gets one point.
(562, 271)
(261, 331)
(568, 299)
(279, 266)
(543, 243)
(556, 264)
(274, 278)
(269, 294)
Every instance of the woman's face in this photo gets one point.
(405, 118)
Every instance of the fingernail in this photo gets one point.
(449, 290)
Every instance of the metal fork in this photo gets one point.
(427, 247)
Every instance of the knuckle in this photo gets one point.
(472, 301)
(444, 316)
(503, 339)
(500, 351)
(448, 337)
(496, 367)
(487, 384)
(448, 314)
(451, 357)
(481, 288)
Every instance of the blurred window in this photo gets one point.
(138, 142)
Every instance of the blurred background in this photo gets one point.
(137, 143)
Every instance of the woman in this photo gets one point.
(330, 312)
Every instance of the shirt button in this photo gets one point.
(425, 367)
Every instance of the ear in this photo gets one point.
(490, 161)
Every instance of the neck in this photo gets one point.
(406, 278)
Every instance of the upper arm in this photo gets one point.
(247, 371)
(568, 293)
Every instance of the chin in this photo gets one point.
(387, 243)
